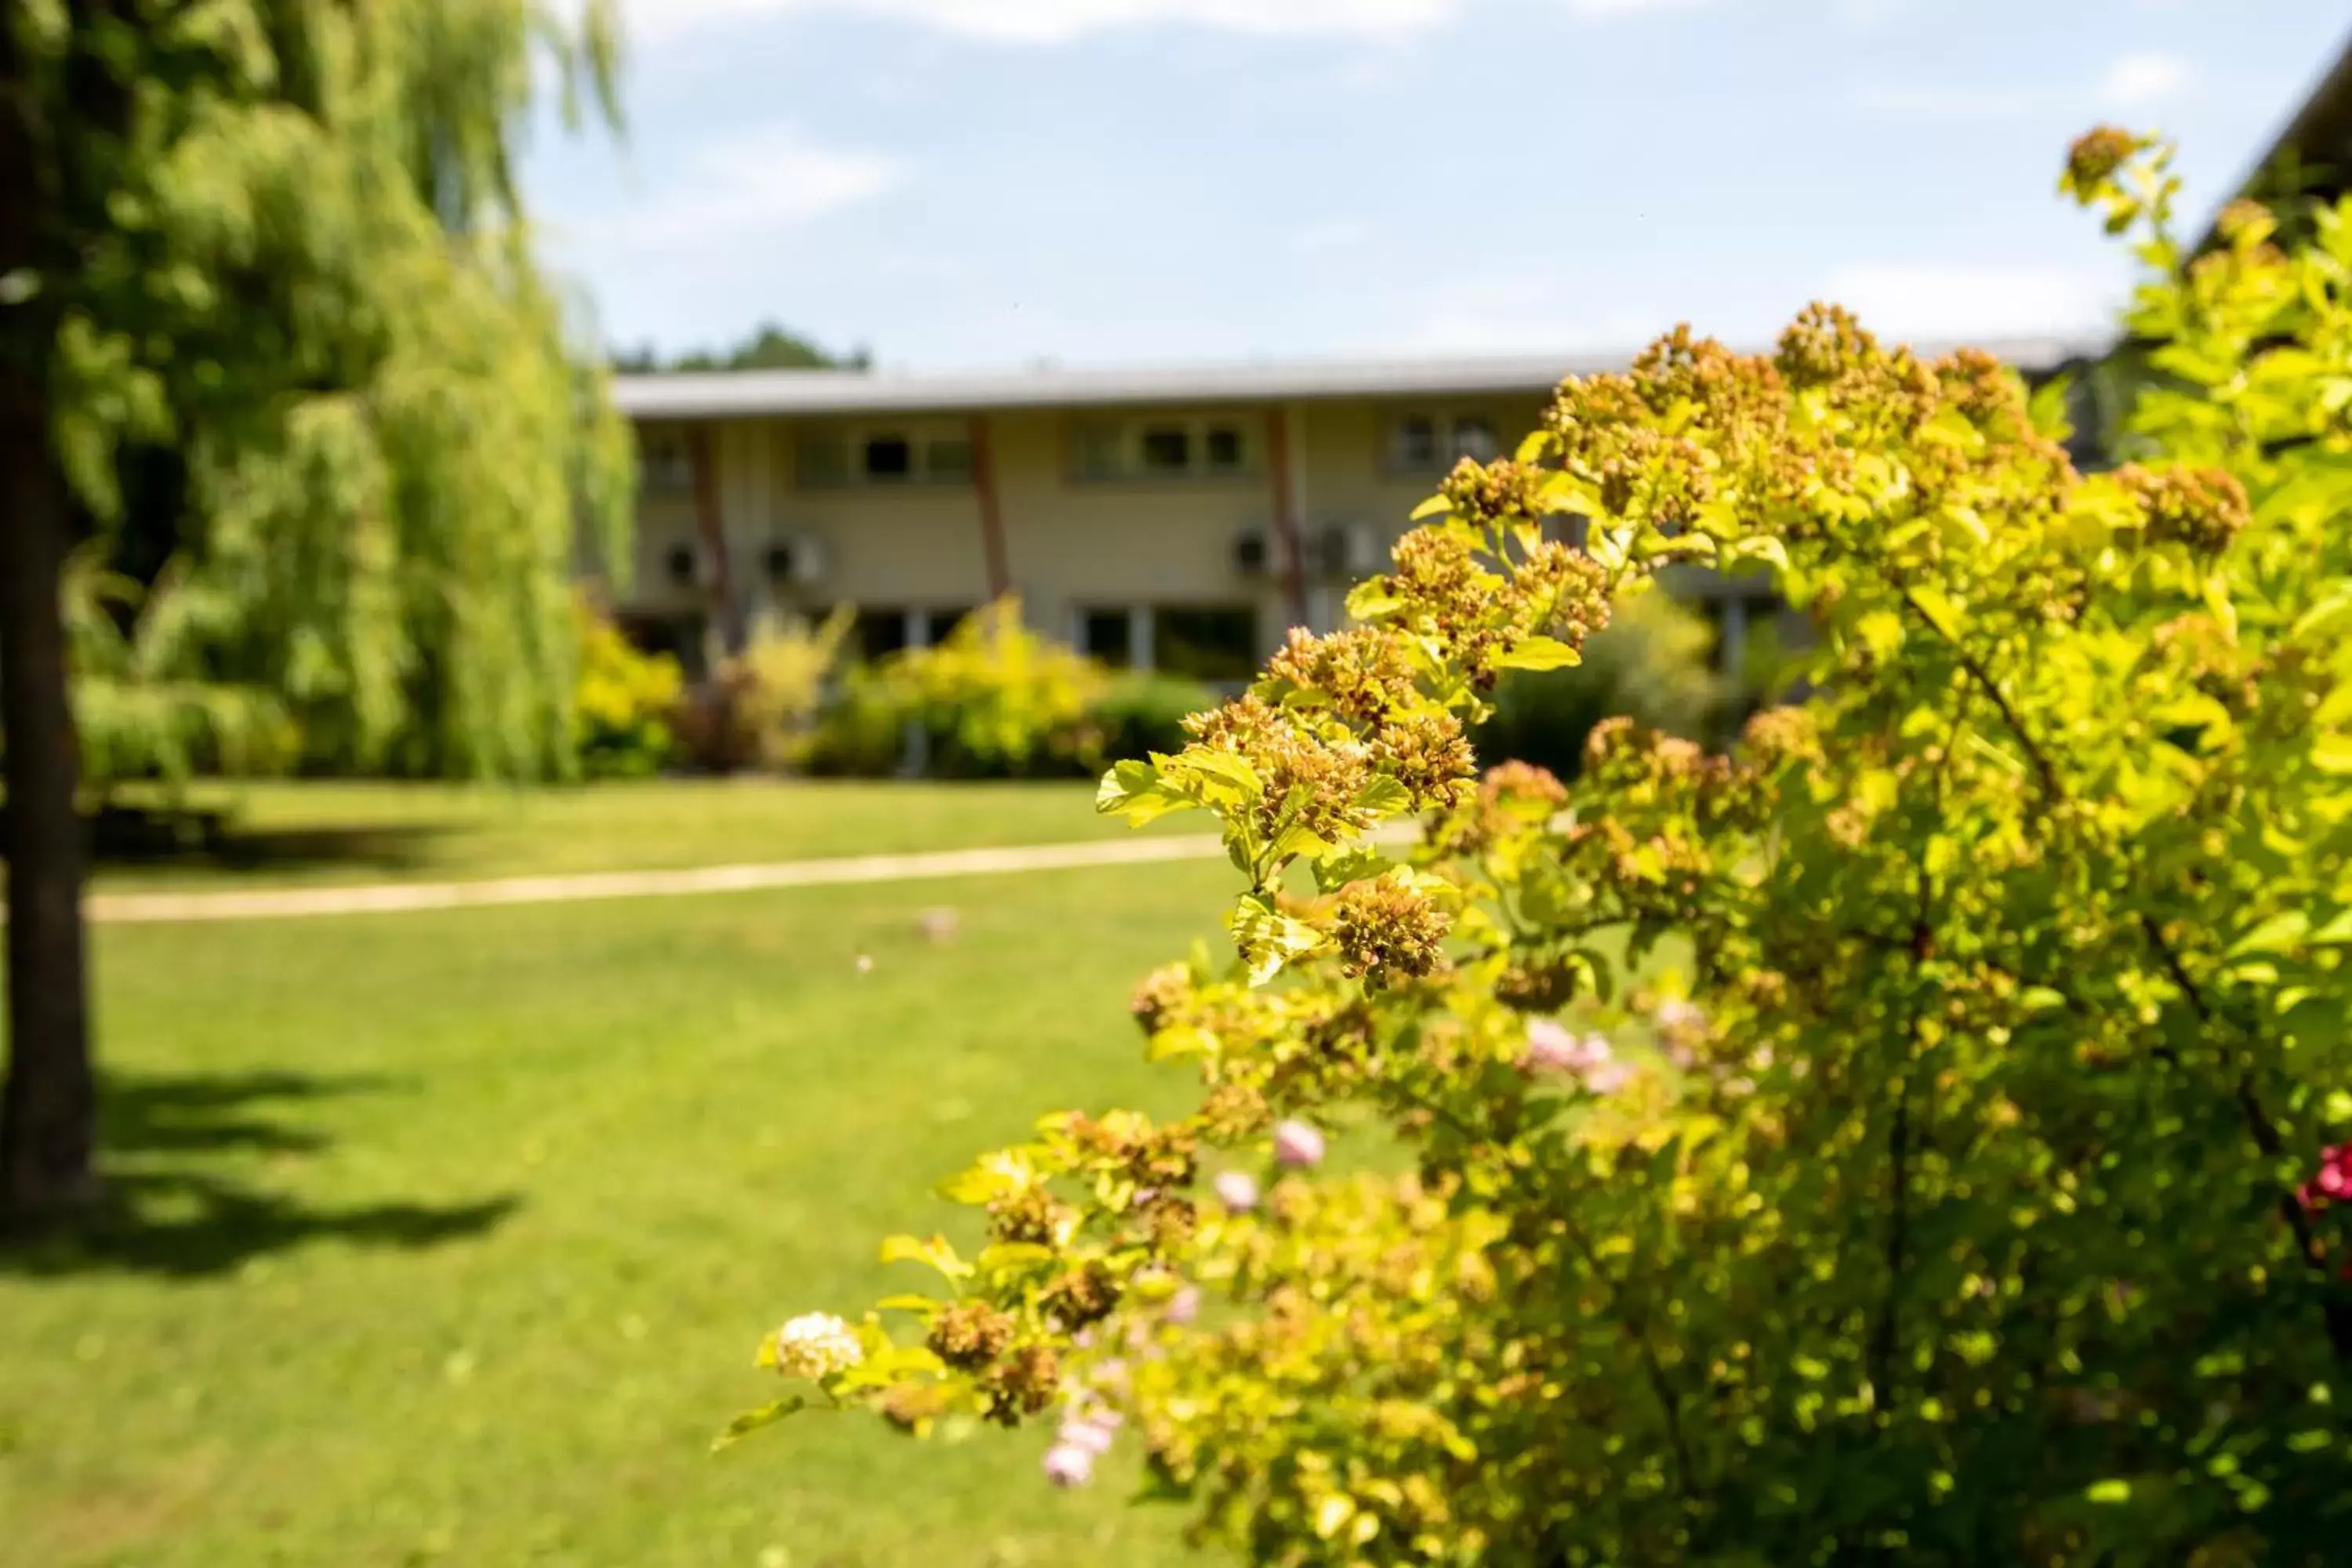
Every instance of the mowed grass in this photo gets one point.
(315, 832)
(449, 1238)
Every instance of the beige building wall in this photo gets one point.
(1072, 545)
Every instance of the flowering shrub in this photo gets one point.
(1978, 1199)
(622, 703)
(996, 698)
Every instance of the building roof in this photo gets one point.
(721, 395)
(2319, 134)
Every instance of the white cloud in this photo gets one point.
(1058, 21)
(1604, 9)
(2140, 82)
(1953, 304)
(756, 181)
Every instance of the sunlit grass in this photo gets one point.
(450, 1237)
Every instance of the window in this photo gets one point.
(1167, 449)
(1423, 443)
(947, 459)
(1473, 437)
(1095, 451)
(941, 625)
(1412, 444)
(823, 460)
(880, 633)
(1108, 636)
(667, 461)
(1213, 644)
(834, 457)
(889, 459)
(1161, 449)
(1224, 450)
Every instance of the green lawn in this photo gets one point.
(449, 1237)
(314, 832)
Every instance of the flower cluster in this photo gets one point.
(815, 1346)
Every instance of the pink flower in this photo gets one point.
(1091, 1435)
(1674, 1013)
(1608, 1077)
(1237, 1190)
(1551, 1049)
(1067, 1464)
(1184, 1306)
(1298, 1146)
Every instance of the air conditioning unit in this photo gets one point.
(1350, 553)
(687, 565)
(1253, 552)
(796, 560)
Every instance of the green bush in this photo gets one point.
(623, 704)
(861, 732)
(1142, 712)
(995, 700)
(1653, 664)
(1980, 1190)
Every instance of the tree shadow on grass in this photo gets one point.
(168, 1208)
(195, 839)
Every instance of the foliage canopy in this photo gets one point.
(1979, 1198)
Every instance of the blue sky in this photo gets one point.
(966, 182)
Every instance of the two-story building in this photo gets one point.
(1175, 518)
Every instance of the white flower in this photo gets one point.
(816, 1345)
(1067, 1464)
(1237, 1190)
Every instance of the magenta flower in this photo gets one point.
(1608, 1077)
(1237, 1190)
(1184, 1306)
(1067, 1464)
(2333, 1180)
(1298, 1146)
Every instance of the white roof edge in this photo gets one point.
(721, 395)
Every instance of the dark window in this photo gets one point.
(880, 633)
(1108, 636)
(941, 625)
(1224, 448)
(1474, 438)
(667, 462)
(1413, 444)
(1167, 449)
(947, 459)
(1207, 644)
(1095, 451)
(890, 458)
(823, 460)
(679, 561)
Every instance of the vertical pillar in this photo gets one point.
(1139, 638)
(726, 614)
(992, 516)
(1735, 638)
(1283, 462)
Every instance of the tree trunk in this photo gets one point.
(49, 1106)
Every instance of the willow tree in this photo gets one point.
(272, 344)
